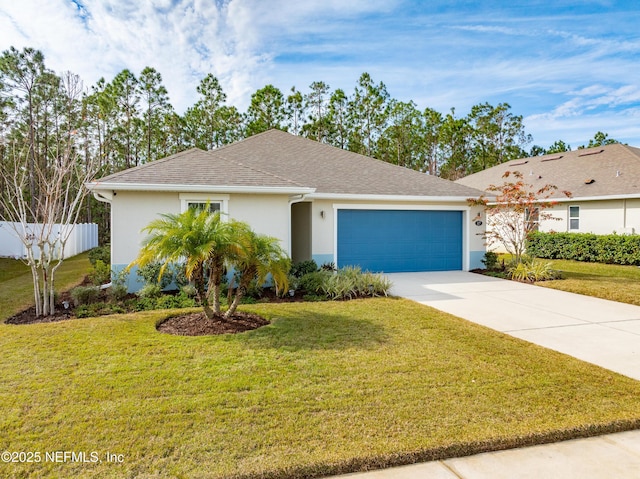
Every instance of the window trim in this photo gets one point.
(188, 198)
(574, 218)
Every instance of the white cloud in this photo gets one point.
(552, 68)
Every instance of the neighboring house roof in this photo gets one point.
(278, 160)
(594, 173)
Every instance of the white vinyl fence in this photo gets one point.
(82, 238)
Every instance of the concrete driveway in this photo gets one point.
(595, 330)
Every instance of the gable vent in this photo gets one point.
(554, 158)
(591, 153)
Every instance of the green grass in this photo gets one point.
(607, 281)
(16, 284)
(326, 388)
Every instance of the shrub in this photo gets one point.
(188, 290)
(102, 253)
(331, 266)
(314, 283)
(150, 274)
(117, 292)
(185, 301)
(145, 304)
(298, 270)
(532, 270)
(149, 291)
(101, 273)
(167, 301)
(346, 283)
(83, 295)
(490, 261)
(612, 249)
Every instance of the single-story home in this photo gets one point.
(322, 202)
(604, 183)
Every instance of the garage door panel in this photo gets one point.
(400, 240)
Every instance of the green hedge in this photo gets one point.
(612, 249)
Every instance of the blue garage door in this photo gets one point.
(400, 240)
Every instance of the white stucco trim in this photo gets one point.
(426, 207)
(398, 198)
(277, 190)
(631, 196)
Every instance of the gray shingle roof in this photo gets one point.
(197, 167)
(279, 159)
(592, 172)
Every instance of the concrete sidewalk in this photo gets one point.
(601, 332)
(603, 457)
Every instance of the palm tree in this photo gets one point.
(200, 239)
(259, 256)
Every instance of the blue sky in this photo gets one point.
(570, 68)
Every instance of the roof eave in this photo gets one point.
(393, 198)
(277, 190)
(629, 196)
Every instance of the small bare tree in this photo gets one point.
(515, 212)
(45, 227)
(43, 217)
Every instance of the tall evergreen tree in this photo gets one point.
(266, 111)
(156, 105)
(316, 102)
(367, 115)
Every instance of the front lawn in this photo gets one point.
(16, 283)
(607, 281)
(326, 388)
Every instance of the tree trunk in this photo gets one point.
(201, 292)
(243, 287)
(216, 269)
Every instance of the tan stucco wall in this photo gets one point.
(598, 217)
(267, 214)
(132, 211)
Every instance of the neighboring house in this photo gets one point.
(604, 183)
(322, 202)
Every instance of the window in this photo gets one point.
(199, 206)
(198, 201)
(532, 217)
(574, 217)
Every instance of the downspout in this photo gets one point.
(105, 197)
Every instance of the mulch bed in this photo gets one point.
(28, 316)
(197, 324)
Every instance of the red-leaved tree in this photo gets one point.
(515, 210)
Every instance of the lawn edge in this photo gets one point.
(363, 464)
